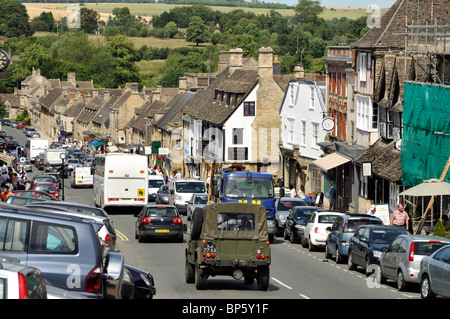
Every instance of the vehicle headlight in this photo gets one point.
(145, 279)
(281, 217)
(299, 226)
(270, 222)
(377, 253)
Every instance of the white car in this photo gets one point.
(316, 232)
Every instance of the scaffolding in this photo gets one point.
(429, 47)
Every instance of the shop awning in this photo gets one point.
(99, 143)
(330, 161)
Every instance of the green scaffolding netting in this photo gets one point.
(426, 132)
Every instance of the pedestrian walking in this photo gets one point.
(332, 195)
(400, 218)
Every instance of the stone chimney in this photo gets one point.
(224, 59)
(276, 65)
(265, 63)
(71, 81)
(182, 83)
(235, 59)
(299, 71)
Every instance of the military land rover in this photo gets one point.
(228, 239)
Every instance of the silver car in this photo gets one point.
(197, 200)
(401, 260)
(435, 274)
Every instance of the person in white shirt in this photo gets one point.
(293, 191)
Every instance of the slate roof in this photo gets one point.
(47, 100)
(90, 110)
(385, 158)
(204, 106)
(75, 109)
(392, 30)
(174, 107)
(149, 110)
(13, 99)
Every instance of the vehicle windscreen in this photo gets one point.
(45, 188)
(427, 248)
(384, 236)
(287, 205)
(155, 183)
(44, 180)
(190, 187)
(161, 212)
(201, 199)
(304, 214)
(242, 187)
(236, 222)
(353, 224)
(327, 219)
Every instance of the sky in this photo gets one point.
(343, 3)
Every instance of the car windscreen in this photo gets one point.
(327, 219)
(201, 199)
(427, 248)
(45, 188)
(155, 183)
(304, 214)
(190, 187)
(236, 222)
(286, 205)
(242, 187)
(44, 180)
(161, 212)
(386, 236)
(353, 224)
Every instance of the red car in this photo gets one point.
(35, 194)
(21, 124)
(50, 188)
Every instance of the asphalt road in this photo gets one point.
(295, 273)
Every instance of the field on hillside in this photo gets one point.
(147, 10)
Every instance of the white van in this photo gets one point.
(154, 183)
(82, 176)
(181, 190)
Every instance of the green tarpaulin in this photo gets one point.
(425, 146)
(99, 143)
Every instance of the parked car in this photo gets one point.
(196, 201)
(34, 194)
(296, 222)
(108, 234)
(50, 188)
(316, 232)
(367, 244)
(159, 222)
(45, 179)
(19, 281)
(282, 208)
(434, 274)
(59, 293)
(144, 285)
(401, 260)
(22, 200)
(14, 124)
(21, 124)
(27, 130)
(11, 145)
(60, 246)
(2, 133)
(342, 230)
(34, 134)
(162, 195)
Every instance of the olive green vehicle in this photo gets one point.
(228, 239)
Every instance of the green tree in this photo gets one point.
(43, 22)
(197, 31)
(170, 29)
(89, 20)
(2, 109)
(308, 11)
(439, 229)
(14, 19)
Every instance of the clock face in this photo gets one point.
(328, 123)
(4, 60)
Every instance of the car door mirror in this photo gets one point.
(363, 239)
(328, 228)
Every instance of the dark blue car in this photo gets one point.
(296, 222)
(369, 242)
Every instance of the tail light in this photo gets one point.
(177, 220)
(93, 280)
(316, 230)
(411, 252)
(107, 239)
(146, 220)
(23, 287)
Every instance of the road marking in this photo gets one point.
(281, 283)
(121, 236)
(302, 295)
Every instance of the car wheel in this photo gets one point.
(369, 269)
(303, 241)
(285, 235)
(350, 264)
(425, 288)
(327, 252)
(189, 272)
(263, 278)
(201, 275)
(401, 283)
(380, 278)
(292, 237)
(311, 247)
(339, 259)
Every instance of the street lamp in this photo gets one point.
(62, 156)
